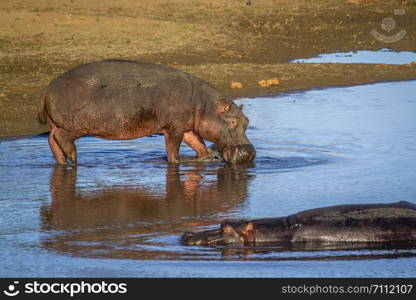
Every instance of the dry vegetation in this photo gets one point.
(221, 41)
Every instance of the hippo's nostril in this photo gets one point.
(238, 154)
(187, 238)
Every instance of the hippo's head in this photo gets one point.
(225, 125)
(228, 233)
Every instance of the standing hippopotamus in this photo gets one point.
(391, 222)
(120, 100)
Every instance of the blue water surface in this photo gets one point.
(122, 211)
(383, 56)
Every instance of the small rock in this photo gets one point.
(236, 85)
(230, 53)
(268, 82)
(262, 83)
(273, 81)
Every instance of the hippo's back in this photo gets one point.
(362, 223)
(110, 97)
(119, 74)
(358, 211)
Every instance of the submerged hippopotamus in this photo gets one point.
(119, 100)
(392, 222)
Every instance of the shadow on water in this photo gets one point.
(315, 251)
(138, 223)
(119, 221)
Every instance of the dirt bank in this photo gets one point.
(220, 41)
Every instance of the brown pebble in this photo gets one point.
(230, 53)
(268, 82)
(236, 85)
(262, 83)
(273, 81)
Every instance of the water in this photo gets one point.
(383, 56)
(122, 210)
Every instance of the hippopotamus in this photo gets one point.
(120, 100)
(391, 222)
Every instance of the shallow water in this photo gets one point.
(383, 56)
(122, 211)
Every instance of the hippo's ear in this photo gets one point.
(248, 228)
(222, 107)
(247, 233)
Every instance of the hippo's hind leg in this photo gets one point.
(56, 149)
(66, 142)
(196, 142)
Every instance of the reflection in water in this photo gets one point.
(140, 223)
(121, 220)
(316, 148)
(286, 251)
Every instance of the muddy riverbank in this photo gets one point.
(221, 42)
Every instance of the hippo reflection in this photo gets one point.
(391, 222)
(125, 216)
(290, 251)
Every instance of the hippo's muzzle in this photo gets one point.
(208, 237)
(226, 234)
(238, 154)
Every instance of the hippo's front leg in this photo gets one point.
(197, 143)
(173, 139)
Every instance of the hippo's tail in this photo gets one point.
(42, 113)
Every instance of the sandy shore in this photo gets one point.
(220, 41)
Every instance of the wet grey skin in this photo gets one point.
(390, 222)
(123, 100)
